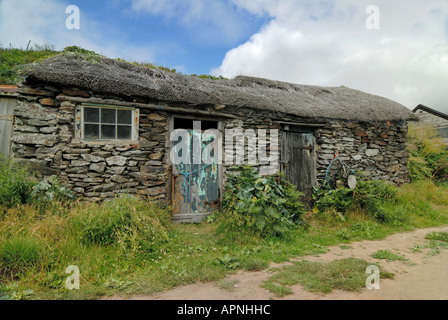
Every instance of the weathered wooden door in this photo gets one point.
(196, 187)
(298, 162)
(6, 117)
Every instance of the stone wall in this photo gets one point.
(44, 137)
(376, 149)
(439, 123)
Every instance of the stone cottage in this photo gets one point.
(105, 127)
(433, 118)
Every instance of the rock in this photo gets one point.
(361, 133)
(372, 152)
(117, 170)
(79, 190)
(156, 117)
(142, 177)
(35, 92)
(80, 163)
(36, 139)
(49, 129)
(119, 179)
(98, 167)
(156, 191)
(152, 170)
(156, 156)
(40, 166)
(117, 161)
(46, 102)
(105, 187)
(92, 158)
(26, 129)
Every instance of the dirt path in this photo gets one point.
(424, 276)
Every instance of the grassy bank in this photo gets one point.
(129, 246)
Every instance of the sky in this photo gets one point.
(397, 49)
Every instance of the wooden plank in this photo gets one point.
(109, 102)
(6, 118)
(298, 159)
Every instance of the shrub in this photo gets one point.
(378, 198)
(264, 205)
(16, 182)
(126, 222)
(50, 190)
(428, 154)
(19, 253)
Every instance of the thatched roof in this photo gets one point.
(120, 78)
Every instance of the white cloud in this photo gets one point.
(44, 21)
(209, 22)
(327, 43)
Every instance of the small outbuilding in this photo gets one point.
(105, 127)
(433, 118)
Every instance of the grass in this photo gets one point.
(388, 255)
(12, 59)
(438, 236)
(130, 247)
(347, 274)
(227, 285)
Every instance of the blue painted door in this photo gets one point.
(196, 187)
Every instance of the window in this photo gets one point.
(107, 123)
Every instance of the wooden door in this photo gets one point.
(298, 161)
(196, 187)
(6, 118)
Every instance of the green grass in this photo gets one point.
(228, 285)
(439, 236)
(388, 255)
(347, 274)
(12, 60)
(113, 245)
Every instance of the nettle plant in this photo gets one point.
(50, 190)
(269, 206)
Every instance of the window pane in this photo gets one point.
(92, 115)
(124, 116)
(108, 132)
(124, 132)
(108, 116)
(91, 131)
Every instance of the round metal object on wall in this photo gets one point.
(351, 182)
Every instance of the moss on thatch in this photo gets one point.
(108, 76)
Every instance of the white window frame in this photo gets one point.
(79, 123)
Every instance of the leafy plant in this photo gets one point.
(265, 205)
(16, 182)
(50, 190)
(378, 198)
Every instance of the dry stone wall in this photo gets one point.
(44, 137)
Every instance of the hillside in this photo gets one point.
(12, 60)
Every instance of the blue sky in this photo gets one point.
(316, 42)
